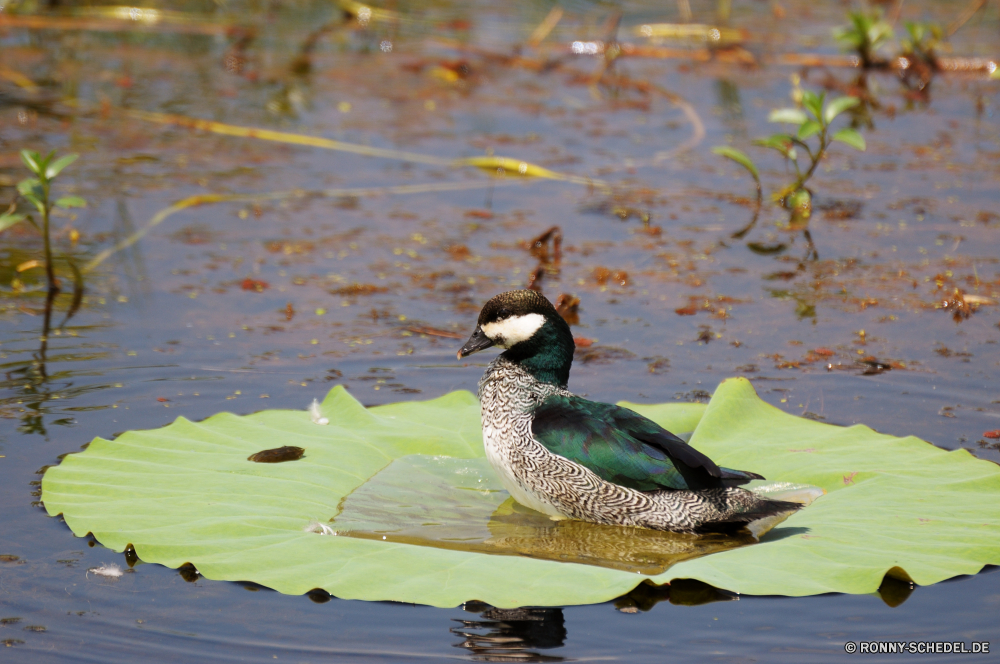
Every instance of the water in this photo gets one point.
(171, 325)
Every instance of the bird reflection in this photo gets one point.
(511, 635)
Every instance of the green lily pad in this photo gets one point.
(187, 493)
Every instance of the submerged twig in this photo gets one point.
(18, 79)
(740, 234)
(894, 12)
(122, 19)
(366, 13)
(697, 126)
(964, 17)
(77, 292)
(684, 9)
(285, 137)
(539, 246)
(545, 27)
(500, 165)
(302, 64)
(433, 332)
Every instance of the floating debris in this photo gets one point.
(568, 306)
(603, 355)
(658, 365)
(603, 275)
(839, 210)
(359, 289)
(873, 367)
(255, 285)
(433, 332)
(539, 246)
(109, 570)
(278, 454)
(319, 528)
(316, 415)
(962, 304)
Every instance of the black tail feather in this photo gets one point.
(732, 478)
(763, 509)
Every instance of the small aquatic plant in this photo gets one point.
(865, 34)
(922, 43)
(813, 137)
(36, 192)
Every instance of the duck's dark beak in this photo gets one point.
(477, 342)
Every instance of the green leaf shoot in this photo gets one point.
(867, 32)
(739, 157)
(780, 142)
(788, 115)
(32, 159)
(71, 202)
(850, 137)
(29, 186)
(57, 167)
(808, 129)
(8, 219)
(838, 106)
(813, 102)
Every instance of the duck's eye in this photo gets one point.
(504, 313)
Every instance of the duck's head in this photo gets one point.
(531, 330)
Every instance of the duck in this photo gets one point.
(568, 457)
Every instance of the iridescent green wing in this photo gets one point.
(625, 448)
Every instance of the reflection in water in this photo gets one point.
(896, 587)
(510, 635)
(188, 572)
(517, 529)
(27, 386)
(28, 376)
(460, 504)
(681, 592)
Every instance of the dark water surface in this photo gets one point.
(268, 302)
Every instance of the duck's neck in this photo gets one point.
(548, 355)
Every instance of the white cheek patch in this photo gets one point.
(514, 330)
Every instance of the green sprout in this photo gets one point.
(36, 191)
(865, 34)
(812, 140)
(924, 39)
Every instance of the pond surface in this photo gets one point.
(363, 259)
